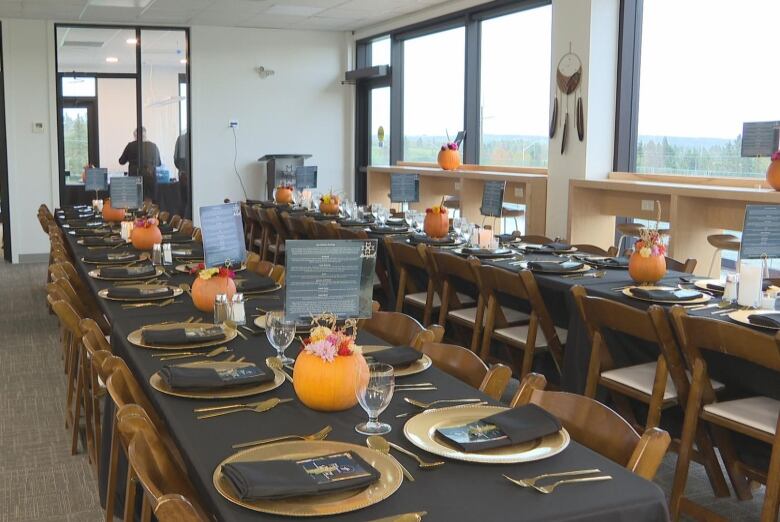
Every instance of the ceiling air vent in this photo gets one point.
(76, 43)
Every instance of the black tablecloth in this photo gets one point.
(456, 491)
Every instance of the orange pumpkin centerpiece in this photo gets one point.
(449, 157)
(283, 195)
(145, 234)
(210, 282)
(112, 214)
(329, 204)
(437, 222)
(773, 171)
(325, 375)
(647, 264)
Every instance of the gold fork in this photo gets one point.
(320, 435)
(160, 304)
(531, 482)
(549, 489)
(426, 405)
(212, 353)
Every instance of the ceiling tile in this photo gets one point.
(325, 23)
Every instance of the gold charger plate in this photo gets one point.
(136, 339)
(274, 288)
(158, 383)
(260, 323)
(703, 299)
(185, 268)
(336, 503)
(95, 274)
(418, 366)
(538, 249)
(176, 293)
(741, 316)
(420, 430)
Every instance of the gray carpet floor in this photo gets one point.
(41, 481)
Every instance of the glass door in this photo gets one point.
(379, 127)
(80, 147)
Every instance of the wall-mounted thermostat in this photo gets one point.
(38, 127)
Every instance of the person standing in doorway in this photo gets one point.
(181, 158)
(149, 161)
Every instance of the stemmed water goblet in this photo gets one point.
(280, 332)
(374, 389)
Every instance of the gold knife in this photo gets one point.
(263, 406)
(406, 517)
(206, 409)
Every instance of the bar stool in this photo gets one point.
(632, 230)
(721, 242)
(452, 203)
(513, 213)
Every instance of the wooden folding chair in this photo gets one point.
(466, 366)
(409, 264)
(688, 266)
(398, 329)
(757, 417)
(597, 427)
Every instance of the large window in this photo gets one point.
(707, 66)
(434, 68)
(515, 88)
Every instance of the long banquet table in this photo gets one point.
(455, 491)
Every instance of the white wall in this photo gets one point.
(302, 108)
(29, 97)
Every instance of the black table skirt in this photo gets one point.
(457, 491)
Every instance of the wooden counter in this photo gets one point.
(526, 186)
(692, 210)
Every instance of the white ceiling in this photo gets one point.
(325, 15)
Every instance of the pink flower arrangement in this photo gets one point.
(776, 156)
(450, 146)
(327, 343)
(145, 223)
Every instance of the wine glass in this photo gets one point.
(374, 389)
(280, 332)
(457, 223)
(382, 214)
(467, 230)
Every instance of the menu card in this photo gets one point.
(223, 235)
(305, 177)
(127, 192)
(760, 138)
(492, 198)
(761, 232)
(404, 188)
(324, 276)
(96, 179)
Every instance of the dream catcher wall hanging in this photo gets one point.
(568, 80)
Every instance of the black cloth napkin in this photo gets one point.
(177, 238)
(101, 241)
(275, 479)
(766, 320)
(554, 266)
(612, 261)
(128, 271)
(514, 426)
(83, 223)
(82, 232)
(111, 257)
(181, 336)
(417, 239)
(486, 251)
(665, 295)
(557, 245)
(124, 292)
(200, 377)
(255, 284)
(396, 356)
(716, 287)
(352, 223)
(387, 229)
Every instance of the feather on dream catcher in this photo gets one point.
(568, 80)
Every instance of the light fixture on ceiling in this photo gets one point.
(132, 41)
(183, 61)
(112, 59)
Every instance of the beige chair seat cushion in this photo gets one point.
(641, 378)
(757, 412)
(519, 334)
(419, 298)
(272, 247)
(469, 315)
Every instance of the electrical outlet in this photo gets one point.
(457, 186)
(233, 124)
(519, 192)
(648, 204)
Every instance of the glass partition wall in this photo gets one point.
(122, 98)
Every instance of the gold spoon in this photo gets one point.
(379, 444)
(212, 353)
(377, 440)
(185, 287)
(276, 364)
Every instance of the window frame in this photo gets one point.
(471, 20)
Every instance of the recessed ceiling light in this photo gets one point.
(112, 59)
(183, 61)
(132, 41)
